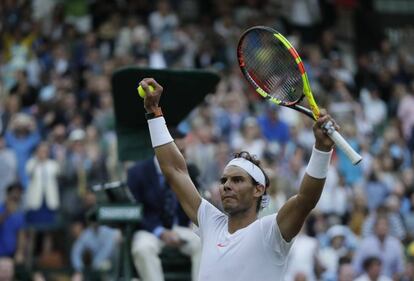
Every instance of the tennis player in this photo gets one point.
(236, 245)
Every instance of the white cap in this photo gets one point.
(337, 230)
(77, 135)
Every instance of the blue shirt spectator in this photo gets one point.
(273, 128)
(12, 221)
(100, 241)
(9, 229)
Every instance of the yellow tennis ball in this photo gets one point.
(141, 91)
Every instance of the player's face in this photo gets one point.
(237, 191)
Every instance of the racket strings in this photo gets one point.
(272, 65)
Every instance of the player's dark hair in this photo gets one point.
(252, 158)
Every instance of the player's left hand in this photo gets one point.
(322, 141)
(152, 98)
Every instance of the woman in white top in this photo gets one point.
(42, 194)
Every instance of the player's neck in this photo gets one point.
(241, 220)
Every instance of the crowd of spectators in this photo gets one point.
(58, 130)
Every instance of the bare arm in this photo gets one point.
(21, 245)
(294, 212)
(171, 161)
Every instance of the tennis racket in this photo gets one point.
(274, 68)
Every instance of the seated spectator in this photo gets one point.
(12, 222)
(397, 228)
(345, 270)
(383, 246)
(99, 243)
(274, 128)
(372, 268)
(341, 244)
(164, 222)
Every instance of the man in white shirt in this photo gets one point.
(235, 244)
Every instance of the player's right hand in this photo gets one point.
(322, 141)
(152, 98)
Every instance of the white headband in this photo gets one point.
(253, 170)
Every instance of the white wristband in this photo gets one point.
(318, 164)
(159, 132)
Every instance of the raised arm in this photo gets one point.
(171, 160)
(293, 213)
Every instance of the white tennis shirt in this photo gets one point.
(254, 253)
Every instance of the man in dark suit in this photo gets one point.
(164, 222)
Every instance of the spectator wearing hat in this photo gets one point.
(342, 242)
(22, 137)
(79, 170)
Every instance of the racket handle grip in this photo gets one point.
(342, 144)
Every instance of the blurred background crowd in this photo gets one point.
(57, 126)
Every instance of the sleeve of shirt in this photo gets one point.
(273, 237)
(207, 216)
(77, 252)
(106, 250)
(158, 231)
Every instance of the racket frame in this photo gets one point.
(313, 112)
